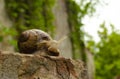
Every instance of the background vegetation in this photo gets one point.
(28, 14)
(106, 53)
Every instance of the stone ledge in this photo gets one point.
(22, 66)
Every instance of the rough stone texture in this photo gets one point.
(24, 66)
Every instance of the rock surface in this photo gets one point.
(22, 66)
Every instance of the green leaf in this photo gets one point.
(1, 38)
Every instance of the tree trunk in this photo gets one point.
(62, 27)
(90, 64)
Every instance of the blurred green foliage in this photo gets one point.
(106, 53)
(73, 10)
(7, 32)
(76, 13)
(31, 14)
(28, 14)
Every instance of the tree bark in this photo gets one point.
(62, 27)
(90, 64)
(24, 66)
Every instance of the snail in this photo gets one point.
(36, 41)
